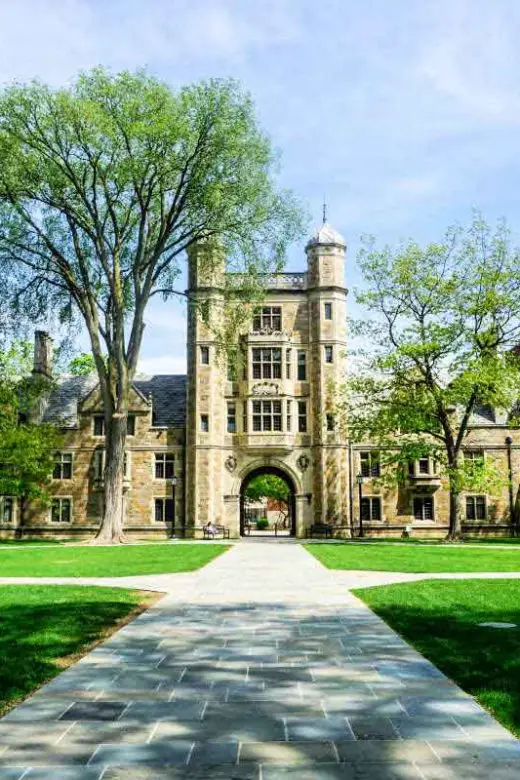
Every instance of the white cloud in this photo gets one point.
(472, 58)
(53, 39)
(403, 113)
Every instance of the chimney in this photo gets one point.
(43, 348)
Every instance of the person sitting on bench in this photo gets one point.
(209, 529)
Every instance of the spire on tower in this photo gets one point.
(324, 210)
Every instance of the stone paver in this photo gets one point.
(261, 666)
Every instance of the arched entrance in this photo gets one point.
(245, 518)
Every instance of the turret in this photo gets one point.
(326, 258)
(205, 426)
(328, 343)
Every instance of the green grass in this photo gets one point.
(23, 542)
(415, 558)
(429, 541)
(44, 628)
(441, 620)
(492, 540)
(120, 561)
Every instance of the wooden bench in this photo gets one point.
(219, 530)
(320, 529)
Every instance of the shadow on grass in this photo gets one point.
(42, 629)
(225, 688)
(441, 620)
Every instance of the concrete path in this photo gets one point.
(189, 582)
(260, 666)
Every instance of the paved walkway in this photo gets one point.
(260, 666)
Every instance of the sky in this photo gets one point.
(404, 115)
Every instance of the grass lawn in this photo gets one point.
(493, 540)
(45, 628)
(426, 540)
(441, 620)
(23, 542)
(120, 561)
(414, 558)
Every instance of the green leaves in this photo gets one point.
(444, 320)
(104, 186)
(82, 365)
(268, 486)
(26, 446)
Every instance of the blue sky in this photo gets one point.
(406, 115)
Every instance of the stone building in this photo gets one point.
(195, 442)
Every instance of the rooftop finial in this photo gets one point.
(324, 210)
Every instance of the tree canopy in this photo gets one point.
(268, 486)
(439, 344)
(27, 446)
(82, 365)
(104, 186)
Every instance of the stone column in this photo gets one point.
(232, 515)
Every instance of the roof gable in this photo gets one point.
(73, 395)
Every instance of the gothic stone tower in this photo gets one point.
(277, 415)
(205, 387)
(327, 301)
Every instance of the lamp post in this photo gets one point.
(174, 485)
(359, 480)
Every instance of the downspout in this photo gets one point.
(512, 518)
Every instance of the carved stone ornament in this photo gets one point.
(231, 463)
(270, 332)
(266, 388)
(303, 462)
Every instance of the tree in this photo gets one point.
(444, 323)
(82, 365)
(270, 486)
(27, 447)
(103, 189)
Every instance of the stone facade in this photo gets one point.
(301, 340)
(195, 441)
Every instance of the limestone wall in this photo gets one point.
(86, 489)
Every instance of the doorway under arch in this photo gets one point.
(291, 502)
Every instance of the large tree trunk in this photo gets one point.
(515, 519)
(111, 529)
(456, 510)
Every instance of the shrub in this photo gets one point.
(262, 523)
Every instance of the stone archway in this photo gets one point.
(279, 472)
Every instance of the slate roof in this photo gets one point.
(485, 416)
(62, 405)
(166, 391)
